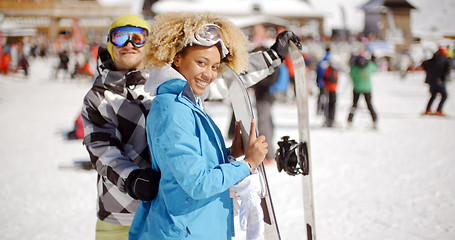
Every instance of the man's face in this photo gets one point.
(128, 57)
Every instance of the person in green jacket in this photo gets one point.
(361, 77)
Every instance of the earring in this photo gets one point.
(176, 62)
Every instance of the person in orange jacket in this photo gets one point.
(4, 63)
(330, 80)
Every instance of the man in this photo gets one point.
(437, 69)
(320, 70)
(330, 80)
(114, 113)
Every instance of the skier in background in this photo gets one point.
(82, 64)
(5, 60)
(63, 64)
(330, 79)
(114, 114)
(320, 70)
(23, 61)
(438, 70)
(361, 77)
(401, 63)
(78, 130)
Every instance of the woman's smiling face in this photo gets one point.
(199, 65)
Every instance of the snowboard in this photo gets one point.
(294, 157)
(243, 113)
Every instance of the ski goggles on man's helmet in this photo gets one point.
(209, 35)
(122, 35)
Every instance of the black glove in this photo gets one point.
(281, 46)
(143, 184)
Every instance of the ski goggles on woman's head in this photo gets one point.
(122, 35)
(209, 35)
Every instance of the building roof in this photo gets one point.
(379, 5)
(398, 4)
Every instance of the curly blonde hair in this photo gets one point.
(172, 30)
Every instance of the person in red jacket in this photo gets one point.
(4, 62)
(78, 131)
(330, 79)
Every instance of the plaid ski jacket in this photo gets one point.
(113, 113)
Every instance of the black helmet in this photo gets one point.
(361, 61)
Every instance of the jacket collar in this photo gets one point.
(118, 80)
(160, 75)
(175, 83)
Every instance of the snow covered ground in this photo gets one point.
(393, 183)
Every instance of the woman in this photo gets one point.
(187, 52)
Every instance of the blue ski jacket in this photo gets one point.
(193, 201)
(320, 70)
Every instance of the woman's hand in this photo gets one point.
(256, 149)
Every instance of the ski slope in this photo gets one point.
(394, 183)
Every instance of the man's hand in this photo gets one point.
(281, 45)
(143, 184)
